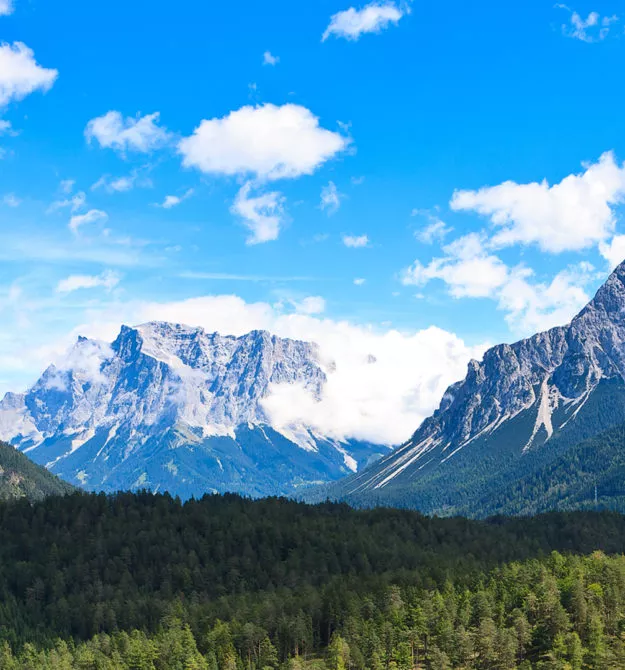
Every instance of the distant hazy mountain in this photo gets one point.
(536, 425)
(21, 478)
(168, 407)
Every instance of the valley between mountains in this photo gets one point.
(536, 425)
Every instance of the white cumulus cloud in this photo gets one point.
(372, 18)
(267, 142)
(533, 307)
(470, 270)
(614, 250)
(20, 74)
(574, 214)
(141, 134)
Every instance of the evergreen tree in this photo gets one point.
(338, 653)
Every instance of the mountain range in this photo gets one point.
(170, 407)
(536, 425)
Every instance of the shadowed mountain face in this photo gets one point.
(499, 433)
(21, 478)
(168, 407)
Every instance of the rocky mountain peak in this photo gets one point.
(161, 395)
(540, 385)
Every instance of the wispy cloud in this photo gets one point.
(28, 245)
(171, 201)
(92, 216)
(6, 7)
(356, 241)
(375, 17)
(136, 179)
(107, 280)
(7, 129)
(142, 134)
(435, 230)
(11, 200)
(74, 204)
(224, 276)
(67, 185)
(262, 214)
(593, 28)
(270, 59)
(330, 199)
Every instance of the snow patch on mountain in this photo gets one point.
(15, 419)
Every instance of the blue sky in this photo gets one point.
(400, 107)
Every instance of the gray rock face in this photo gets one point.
(110, 409)
(547, 378)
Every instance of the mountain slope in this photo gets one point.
(169, 407)
(520, 409)
(590, 475)
(21, 478)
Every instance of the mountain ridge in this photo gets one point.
(522, 405)
(172, 406)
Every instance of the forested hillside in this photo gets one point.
(588, 475)
(21, 478)
(562, 613)
(577, 472)
(227, 582)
